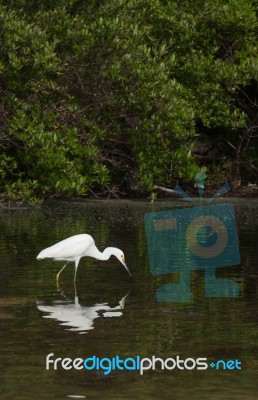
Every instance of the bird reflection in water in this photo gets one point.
(79, 318)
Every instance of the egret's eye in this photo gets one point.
(122, 258)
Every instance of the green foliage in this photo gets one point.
(90, 90)
(44, 150)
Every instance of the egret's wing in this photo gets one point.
(69, 248)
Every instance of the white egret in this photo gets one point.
(76, 247)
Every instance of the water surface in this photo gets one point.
(110, 314)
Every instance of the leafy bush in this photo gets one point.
(91, 90)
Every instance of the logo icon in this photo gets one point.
(203, 237)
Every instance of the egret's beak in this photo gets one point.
(124, 264)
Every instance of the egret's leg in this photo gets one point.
(75, 294)
(58, 274)
(74, 283)
(75, 271)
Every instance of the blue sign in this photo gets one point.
(189, 239)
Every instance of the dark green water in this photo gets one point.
(116, 315)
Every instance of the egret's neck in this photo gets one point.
(107, 253)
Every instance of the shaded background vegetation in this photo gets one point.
(117, 96)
